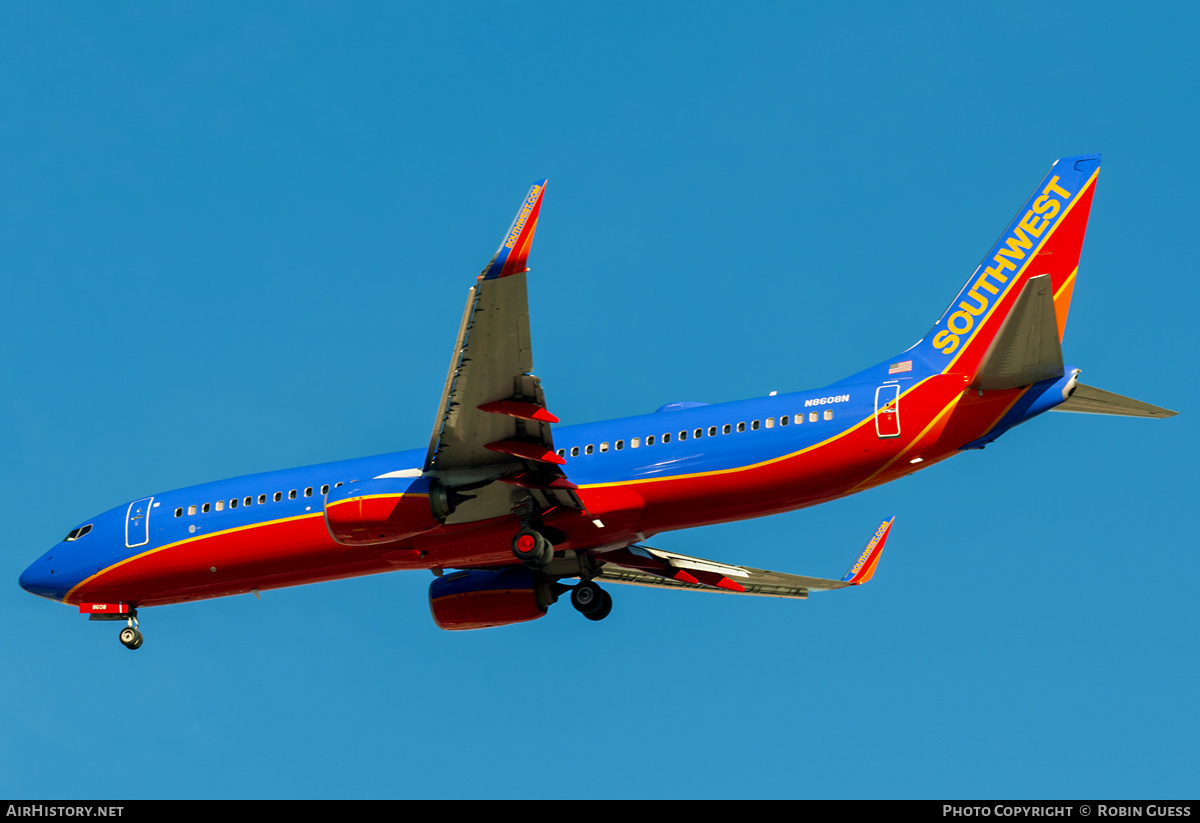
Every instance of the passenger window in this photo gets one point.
(682, 436)
(635, 442)
(812, 417)
(741, 427)
(191, 510)
(783, 421)
(667, 437)
(650, 440)
(247, 501)
(603, 447)
(620, 445)
(770, 422)
(262, 498)
(698, 433)
(754, 425)
(292, 494)
(179, 512)
(589, 448)
(220, 505)
(829, 414)
(278, 496)
(561, 452)
(204, 509)
(335, 485)
(726, 429)
(574, 451)
(712, 431)
(308, 492)
(325, 488)
(799, 419)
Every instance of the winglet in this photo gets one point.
(513, 253)
(864, 567)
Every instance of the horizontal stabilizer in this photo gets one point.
(1026, 347)
(1089, 400)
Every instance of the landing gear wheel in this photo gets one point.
(532, 549)
(591, 601)
(131, 638)
(605, 607)
(586, 597)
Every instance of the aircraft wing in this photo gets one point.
(492, 421)
(644, 566)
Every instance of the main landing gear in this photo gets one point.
(532, 548)
(591, 601)
(535, 551)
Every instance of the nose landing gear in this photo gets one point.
(131, 638)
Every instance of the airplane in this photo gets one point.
(504, 505)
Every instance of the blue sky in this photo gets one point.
(238, 237)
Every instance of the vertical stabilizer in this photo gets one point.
(1026, 347)
(1044, 239)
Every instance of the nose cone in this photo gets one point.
(39, 579)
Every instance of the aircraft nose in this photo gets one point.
(39, 579)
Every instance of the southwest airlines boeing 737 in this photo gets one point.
(516, 504)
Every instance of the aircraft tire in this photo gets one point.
(131, 638)
(606, 604)
(532, 549)
(588, 598)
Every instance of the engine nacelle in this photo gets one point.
(480, 599)
(370, 512)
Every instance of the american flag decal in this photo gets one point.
(896, 368)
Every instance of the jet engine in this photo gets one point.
(480, 599)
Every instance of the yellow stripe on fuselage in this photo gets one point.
(67, 597)
(907, 449)
(376, 497)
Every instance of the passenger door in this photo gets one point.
(137, 523)
(887, 410)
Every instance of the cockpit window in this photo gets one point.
(75, 534)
